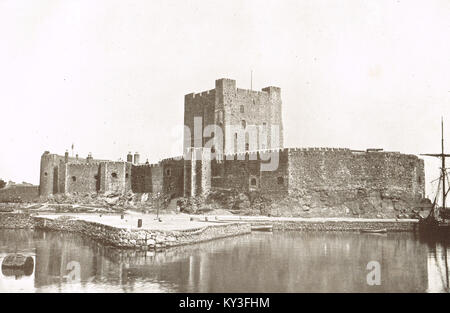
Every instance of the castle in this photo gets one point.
(233, 140)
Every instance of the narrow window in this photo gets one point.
(74, 178)
(168, 172)
(253, 182)
(280, 180)
(114, 175)
(45, 174)
(126, 175)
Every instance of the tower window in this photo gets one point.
(253, 182)
(96, 177)
(74, 178)
(45, 174)
(126, 175)
(114, 175)
(280, 180)
(242, 109)
(168, 172)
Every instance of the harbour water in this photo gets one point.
(258, 262)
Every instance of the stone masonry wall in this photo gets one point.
(52, 172)
(141, 178)
(141, 238)
(16, 221)
(82, 177)
(115, 177)
(228, 107)
(355, 182)
(198, 105)
(173, 177)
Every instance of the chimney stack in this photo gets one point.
(129, 157)
(136, 158)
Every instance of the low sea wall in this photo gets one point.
(152, 239)
(16, 221)
(142, 239)
(391, 226)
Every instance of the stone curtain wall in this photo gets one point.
(157, 179)
(53, 176)
(237, 174)
(187, 178)
(275, 183)
(141, 178)
(82, 177)
(115, 177)
(327, 182)
(355, 181)
(173, 177)
(165, 177)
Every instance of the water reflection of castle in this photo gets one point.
(221, 265)
(315, 262)
(438, 268)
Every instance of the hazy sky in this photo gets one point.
(110, 76)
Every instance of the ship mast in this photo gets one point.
(442, 156)
(443, 164)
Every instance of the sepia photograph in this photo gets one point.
(204, 148)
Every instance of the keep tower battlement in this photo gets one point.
(234, 111)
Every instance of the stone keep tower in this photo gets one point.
(250, 120)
